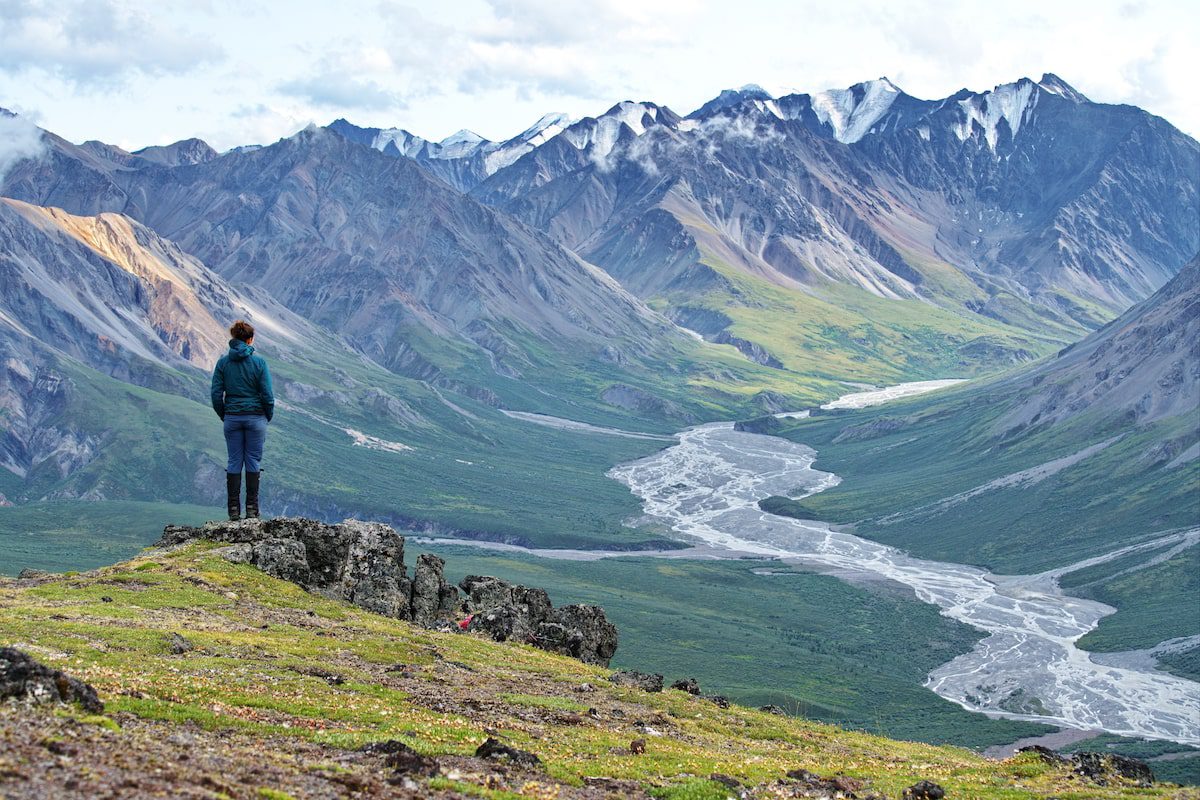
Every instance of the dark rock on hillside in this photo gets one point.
(1044, 753)
(764, 425)
(508, 611)
(924, 790)
(499, 751)
(689, 685)
(638, 680)
(363, 563)
(1101, 768)
(23, 678)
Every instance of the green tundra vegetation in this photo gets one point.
(263, 652)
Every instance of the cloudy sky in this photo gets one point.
(138, 73)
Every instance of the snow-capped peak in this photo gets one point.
(601, 133)
(408, 144)
(731, 97)
(555, 120)
(459, 145)
(542, 131)
(853, 112)
(1056, 85)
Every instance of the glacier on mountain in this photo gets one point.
(853, 112)
(1011, 102)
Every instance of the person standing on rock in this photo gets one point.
(244, 400)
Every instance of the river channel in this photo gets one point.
(706, 489)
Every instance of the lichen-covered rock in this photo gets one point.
(361, 562)
(593, 639)
(509, 612)
(25, 679)
(433, 599)
(284, 558)
(372, 575)
(484, 592)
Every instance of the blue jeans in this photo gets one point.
(245, 435)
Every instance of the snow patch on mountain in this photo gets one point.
(542, 131)
(853, 112)
(1011, 102)
(408, 144)
(600, 135)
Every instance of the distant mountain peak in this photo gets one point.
(731, 97)
(555, 119)
(462, 136)
(1056, 85)
(4, 112)
(182, 153)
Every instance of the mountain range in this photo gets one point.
(638, 269)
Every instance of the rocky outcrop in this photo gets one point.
(1099, 768)
(632, 398)
(360, 562)
(363, 563)
(765, 425)
(513, 612)
(751, 350)
(23, 678)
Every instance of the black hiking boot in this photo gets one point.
(252, 495)
(233, 494)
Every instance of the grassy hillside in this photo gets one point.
(842, 333)
(293, 683)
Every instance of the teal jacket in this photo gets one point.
(241, 383)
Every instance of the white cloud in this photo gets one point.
(19, 139)
(95, 42)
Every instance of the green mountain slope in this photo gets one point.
(1071, 458)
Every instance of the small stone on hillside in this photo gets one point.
(25, 679)
(648, 682)
(725, 780)
(924, 790)
(496, 750)
(771, 709)
(179, 645)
